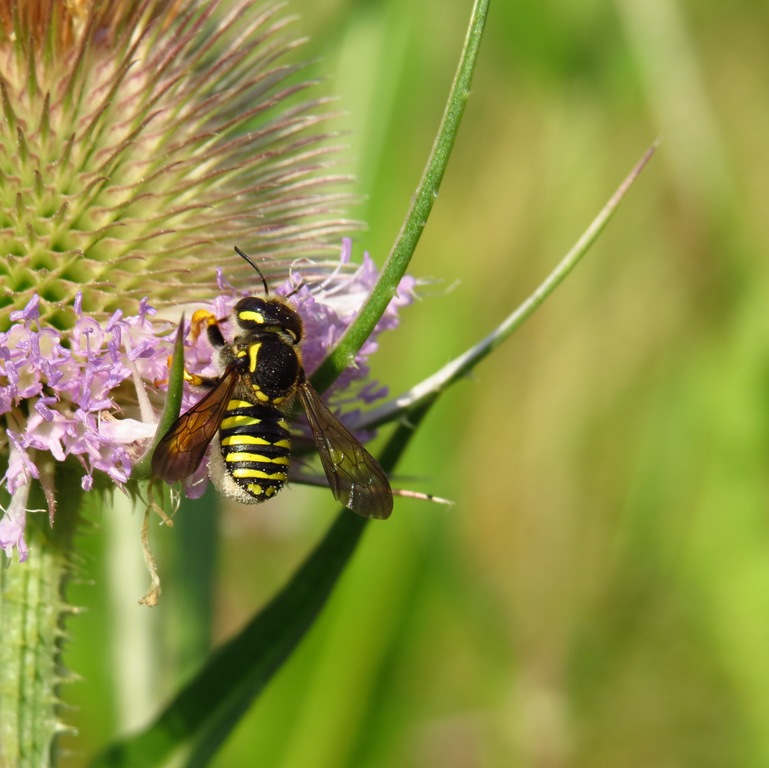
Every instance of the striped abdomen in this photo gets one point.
(256, 448)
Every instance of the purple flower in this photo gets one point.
(92, 393)
(138, 139)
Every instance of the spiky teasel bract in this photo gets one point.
(139, 136)
(140, 142)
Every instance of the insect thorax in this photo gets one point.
(271, 367)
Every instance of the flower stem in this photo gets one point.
(31, 617)
(416, 219)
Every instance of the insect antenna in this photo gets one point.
(253, 264)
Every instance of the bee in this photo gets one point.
(243, 416)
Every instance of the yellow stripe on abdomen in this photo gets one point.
(230, 422)
(233, 404)
(255, 444)
(245, 440)
(255, 457)
(244, 473)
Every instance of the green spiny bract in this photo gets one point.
(140, 141)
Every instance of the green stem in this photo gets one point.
(405, 244)
(31, 615)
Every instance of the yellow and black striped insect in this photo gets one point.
(242, 415)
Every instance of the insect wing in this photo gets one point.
(354, 475)
(182, 448)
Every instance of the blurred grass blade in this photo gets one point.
(462, 365)
(172, 406)
(416, 218)
(192, 728)
(203, 714)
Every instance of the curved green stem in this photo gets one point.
(460, 366)
(405, 244)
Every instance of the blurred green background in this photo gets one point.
(599, 595)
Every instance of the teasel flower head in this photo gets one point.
(139, 142)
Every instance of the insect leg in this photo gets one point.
(215, 336)
(201, 319)
(206, 382)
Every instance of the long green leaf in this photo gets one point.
(203, 714)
